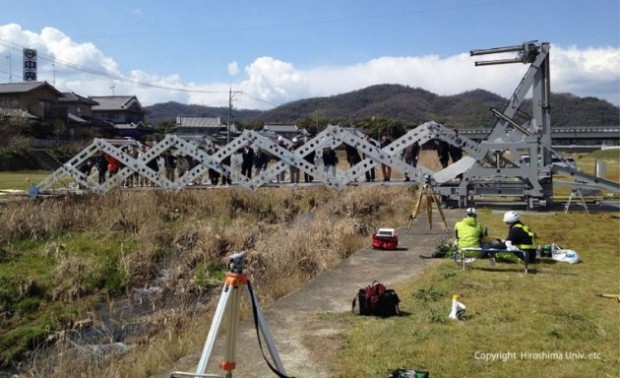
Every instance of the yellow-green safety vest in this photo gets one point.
(531, 234)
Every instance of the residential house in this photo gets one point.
(37, 99)
(124, 114)
(79, 110)
(205, 128)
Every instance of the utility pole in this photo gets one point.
(231, 94)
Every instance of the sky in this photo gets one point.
(260, 54)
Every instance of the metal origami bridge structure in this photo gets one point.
(493, 167)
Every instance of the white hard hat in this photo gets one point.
(294, 140)
(471, 212)
(280, 138)
(511, 217)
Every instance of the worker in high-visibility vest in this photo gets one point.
(468, 231)
(520, 237)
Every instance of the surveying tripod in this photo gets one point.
(576, 192)
(426, 192)
(236, 278)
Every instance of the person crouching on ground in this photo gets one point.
(520, 237)
(468, 231)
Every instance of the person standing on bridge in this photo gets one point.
(113, 165)
(456, 153)
(102, 167)
(353, 156)
(260, 161)
(386, 170)
(410, 155)
(310, 159)
(247, 161)
(225, 177)
(370, 174)
(214, 176)
(170, 162)
(330, 161)
(443, 152)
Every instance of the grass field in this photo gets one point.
(587, 162)
(21, 180)
(549, 323)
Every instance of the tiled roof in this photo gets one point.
(113, 102)
(74, 97)
(25, 86)
(75, 118)
(199, 122)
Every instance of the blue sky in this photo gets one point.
(273, 52)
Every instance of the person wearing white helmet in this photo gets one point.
(520, 237)
(468, 231)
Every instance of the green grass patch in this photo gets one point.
(44, 284)
(209, 273)
(603, 154)
(610, 159)
(21, 180)
(546, 323)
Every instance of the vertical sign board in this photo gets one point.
(30, 65)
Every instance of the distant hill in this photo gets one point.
(168, 111)
(406, 105)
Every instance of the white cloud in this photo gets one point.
(590, 72)
(233, 68)
(269, 81)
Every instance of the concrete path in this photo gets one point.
(301, 323)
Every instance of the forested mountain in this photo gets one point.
(399, 104)
(168, 111)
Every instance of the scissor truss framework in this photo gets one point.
(70, 176)
(494, 167)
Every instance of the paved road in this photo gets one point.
(300, 320)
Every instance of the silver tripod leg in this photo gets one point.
(264, 329)
(215, 326)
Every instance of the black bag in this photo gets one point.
(376, 300)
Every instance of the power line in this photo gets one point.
(107, 75)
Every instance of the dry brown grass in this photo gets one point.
(290, 235)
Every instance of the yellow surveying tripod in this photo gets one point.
(426, 192)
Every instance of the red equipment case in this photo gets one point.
(385, 238)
